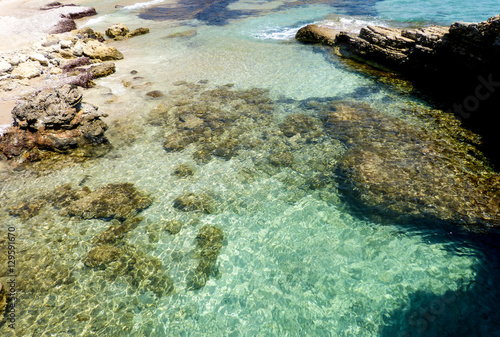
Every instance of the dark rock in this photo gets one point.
(137, 32)
(78, 62)
(455, 67)
(190, 202)
(119, 201)
(209, 240)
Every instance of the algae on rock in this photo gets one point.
(118, 201)
(209, 243)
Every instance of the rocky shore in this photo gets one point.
(40, 87)
(455, 67)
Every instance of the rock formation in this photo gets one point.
(472, 46)
(52, 121)
(455, 67)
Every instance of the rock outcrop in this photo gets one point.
(473, 46)
(52, 120)
(455, 67)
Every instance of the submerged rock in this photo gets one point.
(397, 168)
(99, 256)
(209, 240)
(190, 202)
(216, 122)
(183, 170)
(117, 230)
(52, 121)
(119, 201)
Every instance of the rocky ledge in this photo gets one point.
(455, 67)
(51, 121)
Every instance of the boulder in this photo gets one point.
(316, 34)
(117, 30)
(29, 69)
(98, 50)
(102, 69)
(52, 120)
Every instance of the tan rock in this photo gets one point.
(29, 69)
(117, 30)
(101, 51)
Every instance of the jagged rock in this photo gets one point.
(29, 69)
(52, 120)
(117, 30)
(49, 109)
(462, 45)
(98, 50)
(137, 32)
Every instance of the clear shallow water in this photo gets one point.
(295, 261)
(439, 12)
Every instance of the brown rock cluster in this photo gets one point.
(51, 121)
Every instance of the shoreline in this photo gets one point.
(22, 25)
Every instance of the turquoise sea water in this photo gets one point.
(295, 260)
